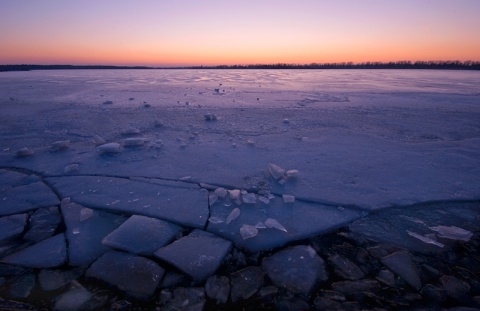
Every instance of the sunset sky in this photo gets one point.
(213, 32)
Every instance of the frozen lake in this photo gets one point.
(130, 160)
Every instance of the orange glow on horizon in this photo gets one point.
(157, 33)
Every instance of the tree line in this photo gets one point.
(446, 65)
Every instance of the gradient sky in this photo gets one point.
(208, 32)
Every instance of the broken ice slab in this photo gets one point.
(52, 279)
(24, 198)
(43, 223)
(73, 300)
(452, 233)
(85, 234)
(221, 192)
(184, 206)
(10, 178)
(45, 254)
(297, 268)
(136, 276)
(301, 220)
(24, 153)
(142, 235)
(395, 226)
(12, 226)
(401, 263)
(198, 255)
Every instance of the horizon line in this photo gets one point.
(403, 64)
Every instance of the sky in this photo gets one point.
(213, 32)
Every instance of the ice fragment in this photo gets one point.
(292, 173)
(221, 192)
(273, 223)
(109, 148)
(98, 140)
(133, 142)
(249, 198)
(210, 117)
(260, 225)
(287, 198)
(276, 171)
(215, 220)
(425, 239)
(248, 231)
(234, 194)
(233, 215)
(452, 232)
(264, 200)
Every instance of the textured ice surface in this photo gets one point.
(199, 254)
(135, 275)
(25, 198)
(142, 235)
(184, 206)
(281, 223)
(343, 141)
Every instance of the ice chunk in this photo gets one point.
(141, 235)
(234, 194)
(276, 171)
(260, 225)
(74, 299)
(24, 152)
(401, 263)
(70, 168)
(251, 141)
(60, 145)
(135, 275)
(287, 198)
(273, 223)
(249, 198)
(264, 200)
(248, 231)
(233, 215)
(199, 254)
(221, 192)
(452, 233)
(215, 220)
(109, 148)
(98, 140)
(108, 102)
(425, 239)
